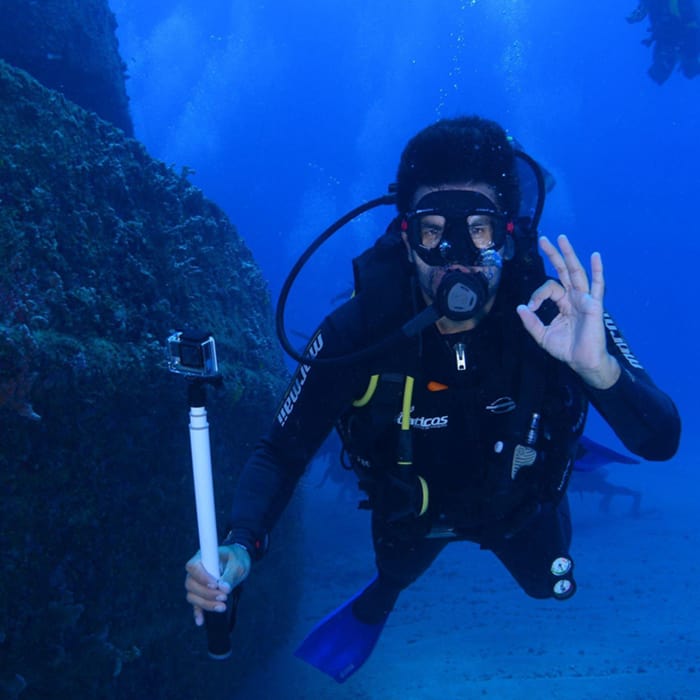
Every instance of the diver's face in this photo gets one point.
(429, 277)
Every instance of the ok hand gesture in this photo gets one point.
(576, 336)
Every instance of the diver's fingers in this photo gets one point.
(532, 323)
(557, 260)
(204, 596)
(577, 273)
(597, 277)
(551, 289)
(203, 592)
(198, 616)
(196, 570)
(199, 590)
(205, 602)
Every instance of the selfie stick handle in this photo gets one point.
(218, 638)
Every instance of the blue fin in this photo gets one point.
(592, 455)
(340, 643)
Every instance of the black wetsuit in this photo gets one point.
(466, 426)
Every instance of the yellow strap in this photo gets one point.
(424, 490)
(673, 7)
(406, 425)
(369, 393)
(409, 383)
(406, 406)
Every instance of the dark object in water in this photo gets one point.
(590, 477)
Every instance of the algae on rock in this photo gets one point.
(104, 251)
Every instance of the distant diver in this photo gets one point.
(674, 34)
(590, 475)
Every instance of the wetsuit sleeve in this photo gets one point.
(642, 416)
(314, 400)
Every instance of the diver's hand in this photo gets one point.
(204, 591)
(577, 334)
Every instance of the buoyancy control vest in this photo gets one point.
(530, 461)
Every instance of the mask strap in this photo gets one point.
(509, 248)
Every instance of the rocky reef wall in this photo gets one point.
(70, 46)
(104, 251)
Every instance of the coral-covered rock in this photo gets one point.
(104, 251)
(70, 46)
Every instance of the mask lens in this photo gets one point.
(431, 230)
(482, 231)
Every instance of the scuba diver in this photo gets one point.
(458, 378)
(674, 28)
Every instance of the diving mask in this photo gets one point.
(456, 227)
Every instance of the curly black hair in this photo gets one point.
(462, 149)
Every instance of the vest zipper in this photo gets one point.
(460, 357)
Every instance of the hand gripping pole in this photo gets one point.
(218, 635)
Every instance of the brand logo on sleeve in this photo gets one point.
(620, 342)
(298, 382)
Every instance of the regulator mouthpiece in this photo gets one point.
(462, 295)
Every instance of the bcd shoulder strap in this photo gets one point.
(382, 276)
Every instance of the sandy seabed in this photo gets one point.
(465, 630)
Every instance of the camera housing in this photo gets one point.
(192, 354)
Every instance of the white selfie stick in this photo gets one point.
(218, 624)
(204, 490)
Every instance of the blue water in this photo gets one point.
(292, 113)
